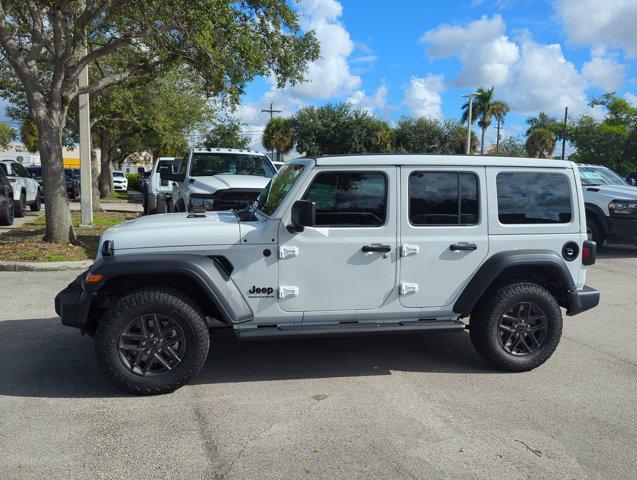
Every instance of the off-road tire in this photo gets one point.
(36, 206)
(6, 217)
(167, 302)
(595, 231)
(20, 208)
(496, 302)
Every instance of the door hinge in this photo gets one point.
(406, 249)
(288, 291)
(287, 251)
(407, 288)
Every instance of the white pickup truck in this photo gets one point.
(157, 191)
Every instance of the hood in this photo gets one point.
(617, 192)
(223, 182)
(174, 230)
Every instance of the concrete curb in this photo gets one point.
(44, 266)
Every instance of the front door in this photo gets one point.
(348, 261)
(444, 232)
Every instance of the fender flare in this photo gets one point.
(490, 270)
(210, 273)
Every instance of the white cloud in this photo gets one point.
(604, 71)
(631, 98)
(606, 23)
(330, 75)
(372, 104)
(485, 52)
(422, 96)
(528, 75)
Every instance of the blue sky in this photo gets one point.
(418, 57)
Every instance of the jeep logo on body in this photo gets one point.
(260, 292)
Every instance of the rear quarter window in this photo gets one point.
(533, 197)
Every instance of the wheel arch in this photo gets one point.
(206, 280)
(597, 213)
(546, 268)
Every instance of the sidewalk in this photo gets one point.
(18, 222)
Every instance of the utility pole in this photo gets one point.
(86, 177)
(271, 111)
(469, 121)
(564, 132)
(497, 138)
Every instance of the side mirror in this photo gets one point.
(303, 215)
(175, 177)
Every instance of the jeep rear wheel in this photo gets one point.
(20, 207)
(152, 341)
(516, 327)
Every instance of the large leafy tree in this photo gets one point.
(277, 136)
(510, 147)
(425, 135)
(6, 135)
(44, 47)
(339, 128)
(485, 109)
(225, 132)
(608, 142)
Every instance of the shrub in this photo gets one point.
(134, 181)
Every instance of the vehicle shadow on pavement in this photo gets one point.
(41, 358)
(617, 251)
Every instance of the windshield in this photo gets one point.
(592, 176)
(35, 171)
(118, 174)
(273, 194)
(210, 164)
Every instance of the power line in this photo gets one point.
(271, 111)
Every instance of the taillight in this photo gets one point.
(589, 252)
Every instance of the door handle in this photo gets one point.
(462, 246)
(376, 248)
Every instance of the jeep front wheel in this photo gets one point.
(152, 341)
(516, 327)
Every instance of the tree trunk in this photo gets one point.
(95, 191)
(58, 217)
(484, 130)
(105, 162)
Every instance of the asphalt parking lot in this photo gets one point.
(423, 406)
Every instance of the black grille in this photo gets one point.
(234, 198)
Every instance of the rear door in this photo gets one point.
(443, 232)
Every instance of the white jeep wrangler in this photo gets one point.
(346, 245)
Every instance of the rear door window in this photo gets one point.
(443, 198)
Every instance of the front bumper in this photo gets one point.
(73, 304)
(120, 187)
(622, 229)
(582, 300)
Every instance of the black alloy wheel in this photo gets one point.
(522, 329)
(152, 344)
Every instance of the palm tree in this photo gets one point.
(278, 136)
(540, 143)
(485, 109)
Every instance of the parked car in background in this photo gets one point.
(72, 182)
(219, 179)
(26, 191)
(631, 179)
(36, 173)
(6, 199)
(120, 181)
(157, 191)
(611, 206)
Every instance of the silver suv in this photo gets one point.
(346, 245)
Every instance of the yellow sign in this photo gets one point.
(71, 162)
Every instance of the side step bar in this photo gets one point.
(250, 332)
